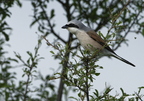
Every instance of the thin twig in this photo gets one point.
(49, 44)
(27, 84)
(87, 83)
(118, 15)
(127, 32)
(138, 96)
(50, 25)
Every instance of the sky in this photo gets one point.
(115, 73)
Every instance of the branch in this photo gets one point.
(27, 84)
(60, 1)
(127, 32)
(50, 25)
(86, 82)
(138, 96)
(115, 19)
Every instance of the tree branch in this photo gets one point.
(50, 25)
(118, 45)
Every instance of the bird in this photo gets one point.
(90, 40)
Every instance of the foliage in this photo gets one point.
(78, 71)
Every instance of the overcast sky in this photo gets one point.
(115, 73)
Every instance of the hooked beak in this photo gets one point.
(65, 27)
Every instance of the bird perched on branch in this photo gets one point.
(90, 40)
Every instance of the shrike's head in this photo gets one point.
(74, 25)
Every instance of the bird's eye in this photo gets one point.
(72, 25)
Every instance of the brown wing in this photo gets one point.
(97, 38)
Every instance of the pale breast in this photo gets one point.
(87, 42)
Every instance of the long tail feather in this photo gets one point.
(122, 59)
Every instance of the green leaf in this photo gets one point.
(23, 75)
(30, 54)
(6, 36)
(33, 4)
(143, 32)
(52, 52)
(79, 94)
(96, 92)
(19, 3)
(100, 34)
(73, 98)
(97, 74)
(28, 61)
(13, 60)
(17, 55)
(36, 20)
(118, 23)
(52, 13)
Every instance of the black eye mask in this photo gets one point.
(72, 25)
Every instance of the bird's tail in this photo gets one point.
(122, 59)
